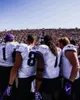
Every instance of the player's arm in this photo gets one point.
(14, 70)
(39, 73)
(13, 74)
(72, 57)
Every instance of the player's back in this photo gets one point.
(67, 67)
(28, 66)
(6, 50)
(51, 71)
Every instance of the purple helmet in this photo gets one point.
(9, 37)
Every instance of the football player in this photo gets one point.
(7, 56)
(47, 77)
(70, 69)
(25, 68)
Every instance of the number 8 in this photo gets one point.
(31, 60)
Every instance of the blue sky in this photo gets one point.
(33, 14)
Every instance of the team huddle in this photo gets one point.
(39, 70)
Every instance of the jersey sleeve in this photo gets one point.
(70, 48)
(20, 48)
(42, 49)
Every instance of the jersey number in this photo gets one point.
(31, 60)
(4, 54)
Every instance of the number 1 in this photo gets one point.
(4, 54)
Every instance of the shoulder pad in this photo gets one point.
(70, 47)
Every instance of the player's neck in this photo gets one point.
(32, 44)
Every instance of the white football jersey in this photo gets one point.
(6, 50)
(28, 67)
(66, 66)
(50, 70)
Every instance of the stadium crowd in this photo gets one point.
(40, 64)
(20, 35)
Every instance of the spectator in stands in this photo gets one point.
(73, 42)
(41, 38)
